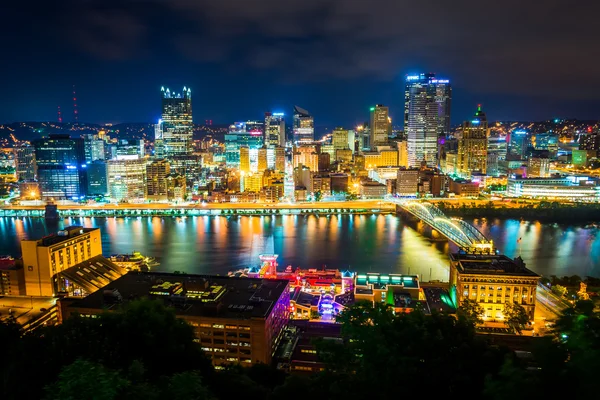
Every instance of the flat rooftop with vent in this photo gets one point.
(236, 320)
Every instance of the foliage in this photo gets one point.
(559, 290)
(314, 314)
(515, 317)
(472, 311)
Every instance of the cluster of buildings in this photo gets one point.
(268, 161)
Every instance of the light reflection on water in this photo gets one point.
(363, 243)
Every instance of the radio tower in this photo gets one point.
(74, 105)
(59, 116)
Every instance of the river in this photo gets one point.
(363, 243)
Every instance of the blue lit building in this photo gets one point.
(242, 134)
(97, 178)
(61, 167)
(517, 145)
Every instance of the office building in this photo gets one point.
(304, 126)
(242, 134)
(493, 281)
(340, 139)
(97, 178)
(245, 159)
(403, 154)
(25, 165)
(174, 131)
(384, 157)
(127, 180)
(156, 180)
(518, 145)
(274, 129)
(497, 148)
(463, 187)
(545, 141)
(538, 167)
(262, 160)
(380, 126)
(306, 155)
(340, 183)
(574, 188)
(127, 149)
(93, 148)
(401, 292)
(235, 320)
(343, 156)
(407, 184)
(579, 158)
(370, 189)
(45, 258)
(60, 167)
(252, 182)
(176, 187)
(280, 159)
(589, 141)
(472, 147)
(427, 103)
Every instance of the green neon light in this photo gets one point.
(372, 109)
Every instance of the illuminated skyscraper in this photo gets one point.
(304, 126)
(426, 116)
(25, 162)
(61, 168)
(472, 147)
(262, 159)
(280, 159)
(173, 134)
(245, 159)
(274, 129)
(340, 139)
(380, 126)
(127, 179)
(156, 179)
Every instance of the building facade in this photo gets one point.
(25, 164)
(380, 126)
(127, 180)
(427, 102)
(574, 188)
(274, 129)
(174, 131)
(304, 126)
(43, 259)
(493, 281)
(472, 147)
(156, 180)
(61, 167)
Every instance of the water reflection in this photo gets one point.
(358, 242)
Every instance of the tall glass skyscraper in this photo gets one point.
(25, 165)
(274, 129)
(304, 126)
(61, 167)
(173, 133)
(427, 103)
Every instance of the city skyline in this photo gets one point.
(353, 56)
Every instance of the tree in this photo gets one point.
(314, 314)
(187, 386)
(379, 346)
(559, 290)
(86, 380)
(515, 317)
(471, 311)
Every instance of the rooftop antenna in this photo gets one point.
(75, 116)
(59, 116)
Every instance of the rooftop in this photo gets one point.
(488, 264)
(194, 295)
(68, 233)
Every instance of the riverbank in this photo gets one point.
(549, 212)
(167, 210)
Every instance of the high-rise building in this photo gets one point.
(93, 148)
(280, 159)
(590, 141)
(517, 145)
(426, 116)
(403, 154)
(127, 179)
(173, 134)
(340, 139)
(472, 147)
(97, 178)
(274, 129)
(242, 134)
(176, 187)
(156, 179)
(304, 126)
(538, 167)
(380, 126)
(306, 155)
(25, 165)
(245, 159)
(262, 160)
(60, 167)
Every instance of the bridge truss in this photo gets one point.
(464, 235)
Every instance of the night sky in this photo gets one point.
(523, 60)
